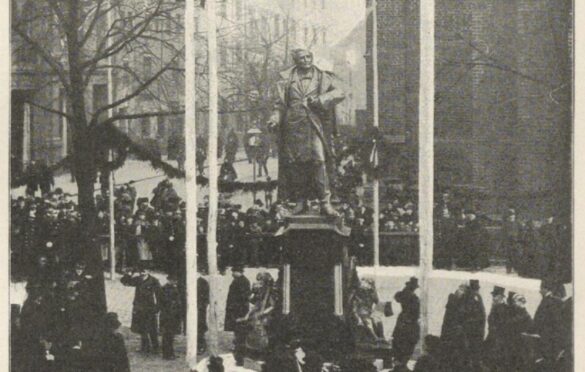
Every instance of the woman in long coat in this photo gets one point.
(407, 330)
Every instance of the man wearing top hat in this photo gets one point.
(474, 324)
(548, 325)
(494, 345)
(237, 307)
(304, 119)
(407, 330)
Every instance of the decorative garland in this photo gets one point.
(234, 186)
(108, 137)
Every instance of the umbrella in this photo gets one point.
(254, 131)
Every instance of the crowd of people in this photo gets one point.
(60, 327)
(472, 338)
(531, 248)
(151, 232)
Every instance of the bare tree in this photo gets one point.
(75, 44)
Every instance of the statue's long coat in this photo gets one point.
(305, 134)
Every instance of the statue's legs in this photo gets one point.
(321, 179)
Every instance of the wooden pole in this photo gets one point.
(213, 176)
(191, 185)
(112, 250)
(426, 153)
(376, 182)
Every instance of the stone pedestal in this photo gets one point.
(315, 282)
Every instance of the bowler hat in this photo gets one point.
(498, 291)
(412, 282)
(474, 284)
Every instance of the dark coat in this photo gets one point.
(516, 348)
(474, 317)
(146, 302)
(407, 330)
(114, 356)
(548, 324)
(298, 125)
(453, 339)
(428, 363)
(171, 313)
(202, 304)
(495, 343)
(237, 302)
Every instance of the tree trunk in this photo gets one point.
(85, 171)
(84, 167)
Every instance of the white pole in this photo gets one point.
(376, 182)
(111, 158)
(213, 175)
(191, 184)
(426, 152)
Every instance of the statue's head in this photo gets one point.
(303, 58)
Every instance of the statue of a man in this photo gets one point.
(304, 119)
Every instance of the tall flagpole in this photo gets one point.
(426, 153)
(110, 159)
(213, 175)
(376, 182)
(191, 185)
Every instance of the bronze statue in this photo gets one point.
(304, 119)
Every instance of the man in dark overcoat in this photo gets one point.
(511, 240)
(495, 343)
(474, 324)
(145, 307)
(202, 305)
(171, 311)
(407, 330)
(548, 325)
(237, 307)
(305, 121)
(453, 340)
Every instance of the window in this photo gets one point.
(324, 37)
(322, 4)
(100, 99)
(293, 31)
(239, 9)
(145, 126)
(315, 38)
(223, 61)
(223, 10)
(124, 122)
(306, 35)
(162, 128)
(147, 65)
(276, 25)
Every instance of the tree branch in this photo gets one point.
(45, 55)
(51, 110)
(137, 92)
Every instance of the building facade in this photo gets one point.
(503, 97)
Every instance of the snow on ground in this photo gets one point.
(388, 280)
(146, 178)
